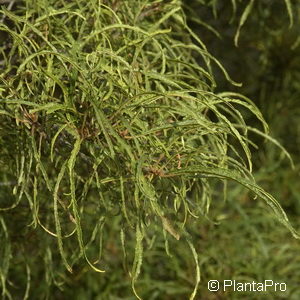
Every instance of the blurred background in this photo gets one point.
(266, 60)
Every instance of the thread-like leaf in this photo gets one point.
(138, 258)
(71, 166)
(56, 216)
(290, 11)
(243, 19)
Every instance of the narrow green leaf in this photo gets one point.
(71, 166)
(56, 216)
(51, 107)
(195, 255)
(124, 209)
(169, 228)
(290, 11)
(138, 258)
(252, 186)
(243, 19)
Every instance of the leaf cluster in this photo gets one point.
(109, 115)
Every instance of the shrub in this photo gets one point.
(110, 122)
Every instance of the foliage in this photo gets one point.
(267, 62)
(112, 125)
